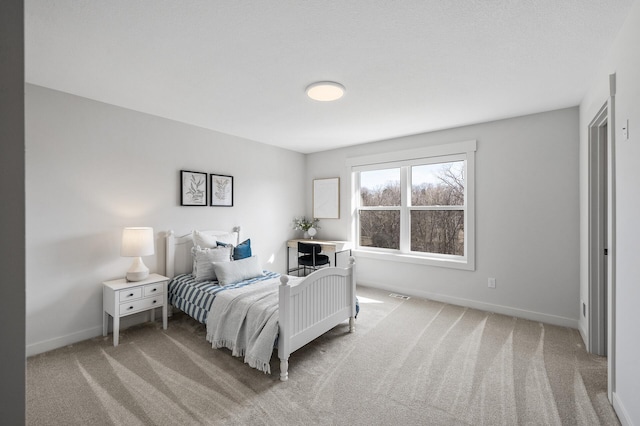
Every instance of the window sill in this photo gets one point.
(418, 260)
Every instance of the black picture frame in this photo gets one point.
(194, 188)
(221, 190)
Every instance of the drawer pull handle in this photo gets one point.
(130, 295)
(130, 307)
(154, 301)
(154, 289)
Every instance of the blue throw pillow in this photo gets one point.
(242, 250)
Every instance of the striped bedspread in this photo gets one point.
(196, 298)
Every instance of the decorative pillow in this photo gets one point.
(209, 241)
(242, 250)
(203, 259)
(233, 272)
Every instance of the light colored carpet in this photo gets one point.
(409, 362)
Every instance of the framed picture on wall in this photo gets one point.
(326, 198)
(193, 188)
(221, 190)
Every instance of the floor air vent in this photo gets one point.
(399, 296)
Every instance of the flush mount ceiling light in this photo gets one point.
(325, 91)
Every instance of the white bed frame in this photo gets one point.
(307, 309)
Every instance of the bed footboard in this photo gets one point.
(314, 306)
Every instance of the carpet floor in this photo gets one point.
(411, 362)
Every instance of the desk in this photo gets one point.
(328, 247)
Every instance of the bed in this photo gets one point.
(306, 307)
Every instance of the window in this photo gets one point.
(418, 206)
(380, 208)
(437, 208)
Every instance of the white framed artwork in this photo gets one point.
(326, 198)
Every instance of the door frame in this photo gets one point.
(602, 234)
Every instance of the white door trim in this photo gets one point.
(602, 211)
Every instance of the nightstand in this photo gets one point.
(121, 298)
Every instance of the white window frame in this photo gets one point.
(444, 153)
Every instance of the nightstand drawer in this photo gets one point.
(130, 294)
(153, 289)
(137, 305)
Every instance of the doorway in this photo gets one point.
(598, 232)
(600, 318)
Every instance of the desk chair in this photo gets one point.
(309, 257)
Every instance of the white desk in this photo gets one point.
(328, 247)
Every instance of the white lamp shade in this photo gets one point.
(137, 242)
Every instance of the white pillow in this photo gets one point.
(203, 259)
(238, 270)
(210, 241)
(229, 238)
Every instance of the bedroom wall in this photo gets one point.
(527, 210)
(12, 209)
(624, 61)
(93, 169)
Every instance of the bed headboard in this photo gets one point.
(178, 258)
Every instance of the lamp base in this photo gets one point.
(138, 270)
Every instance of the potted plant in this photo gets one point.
(308, 226)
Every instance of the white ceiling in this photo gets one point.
(241, 67)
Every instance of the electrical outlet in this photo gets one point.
(492, 283)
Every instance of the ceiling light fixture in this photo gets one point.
(325, 91)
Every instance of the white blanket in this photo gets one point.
(245, 320)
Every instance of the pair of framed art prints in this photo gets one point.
(202, 189)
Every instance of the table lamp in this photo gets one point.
(137, 242)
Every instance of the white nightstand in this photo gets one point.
(121, 298)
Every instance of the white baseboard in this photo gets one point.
(59, 342)
(623, 416)
(483, 306)
(583, 334)
(89, 333)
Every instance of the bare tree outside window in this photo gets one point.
(439, 226)
(439, 184)
(380, 228)
(380, 225)
(438, 231)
